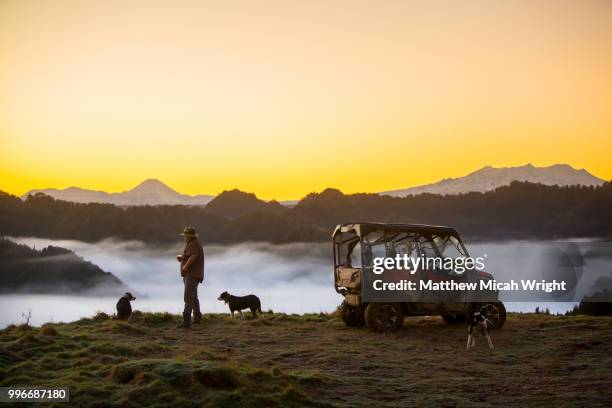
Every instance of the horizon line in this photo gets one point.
(213, 195)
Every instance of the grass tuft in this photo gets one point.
(154, 319)
(101, 317)
(221, 378)
(121, 327)
(48, 330)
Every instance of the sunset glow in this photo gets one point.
(285, 98)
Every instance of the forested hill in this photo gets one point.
(520, 210)
(51, 270)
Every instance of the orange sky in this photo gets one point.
(283, 98)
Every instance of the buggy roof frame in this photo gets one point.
(363, 228)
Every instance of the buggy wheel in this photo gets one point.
(500, 316)
(454, 318)
(352, 316)
(384, 317)
(496, 314)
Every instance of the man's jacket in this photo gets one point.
(196, 265)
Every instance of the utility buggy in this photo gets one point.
(356, 245)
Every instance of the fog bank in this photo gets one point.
(290, 278)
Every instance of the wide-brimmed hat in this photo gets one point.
(189, 232)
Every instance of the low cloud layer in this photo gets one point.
(291, 278)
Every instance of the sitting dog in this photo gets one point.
(124, 309)
(238, 303)
(479, 322)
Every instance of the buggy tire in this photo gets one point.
(502, 316)
(352, 316)
(498, 319)
(454, 318)
(384, 317)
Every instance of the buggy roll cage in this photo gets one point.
(389, 233)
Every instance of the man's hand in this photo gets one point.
(179, 258)
(187, 264)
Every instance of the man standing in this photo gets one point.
(192, 271)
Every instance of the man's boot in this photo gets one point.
(186, 322)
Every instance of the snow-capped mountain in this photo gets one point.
(149, 192)
(489, 178)
(154, 192)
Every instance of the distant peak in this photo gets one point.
(151, 182)
(488, 178)
(563, 166)
(151, 185)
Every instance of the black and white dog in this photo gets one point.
(479, 322)
(238, 303)
(124, 309)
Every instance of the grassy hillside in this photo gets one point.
(313, 360)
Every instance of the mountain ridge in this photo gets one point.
(488, 178)
(149, 192)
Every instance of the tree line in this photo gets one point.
(521, 210)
